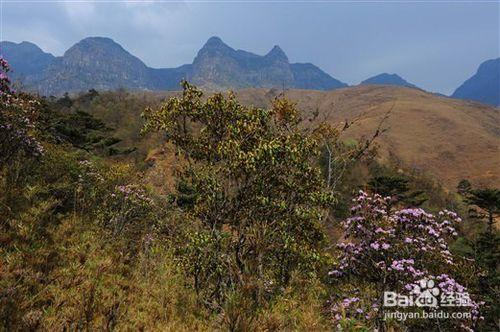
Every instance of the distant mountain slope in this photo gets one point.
(168, 78)
(389, 79)
(484, 85)
(102, 64)
(308, 76)
(218, 65)
(448, 138)
(97, 63)
(26, 59)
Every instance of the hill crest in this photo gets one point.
(389, 79)
(447, 138)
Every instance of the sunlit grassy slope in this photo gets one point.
(448, 138)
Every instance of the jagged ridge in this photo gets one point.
(101, 63)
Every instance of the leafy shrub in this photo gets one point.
(256, 197)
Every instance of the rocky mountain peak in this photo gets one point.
(215, 45)
(277, 53)
(101, 54)
(26, 59)
(490, 66)
(484, 85)
(214, 42)
(100, 45)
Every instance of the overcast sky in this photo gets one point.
(433, 44)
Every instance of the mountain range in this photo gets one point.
(102, 64)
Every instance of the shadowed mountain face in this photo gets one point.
(100, 63)
(27, 60)
(484, 86)
(308, 76)
(389, 79)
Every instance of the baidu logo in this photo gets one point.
(425, 293)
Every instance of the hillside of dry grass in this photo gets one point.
(448, 138)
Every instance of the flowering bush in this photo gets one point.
(4, 79)
(18, 114)
(393, 251)
(126, 204)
